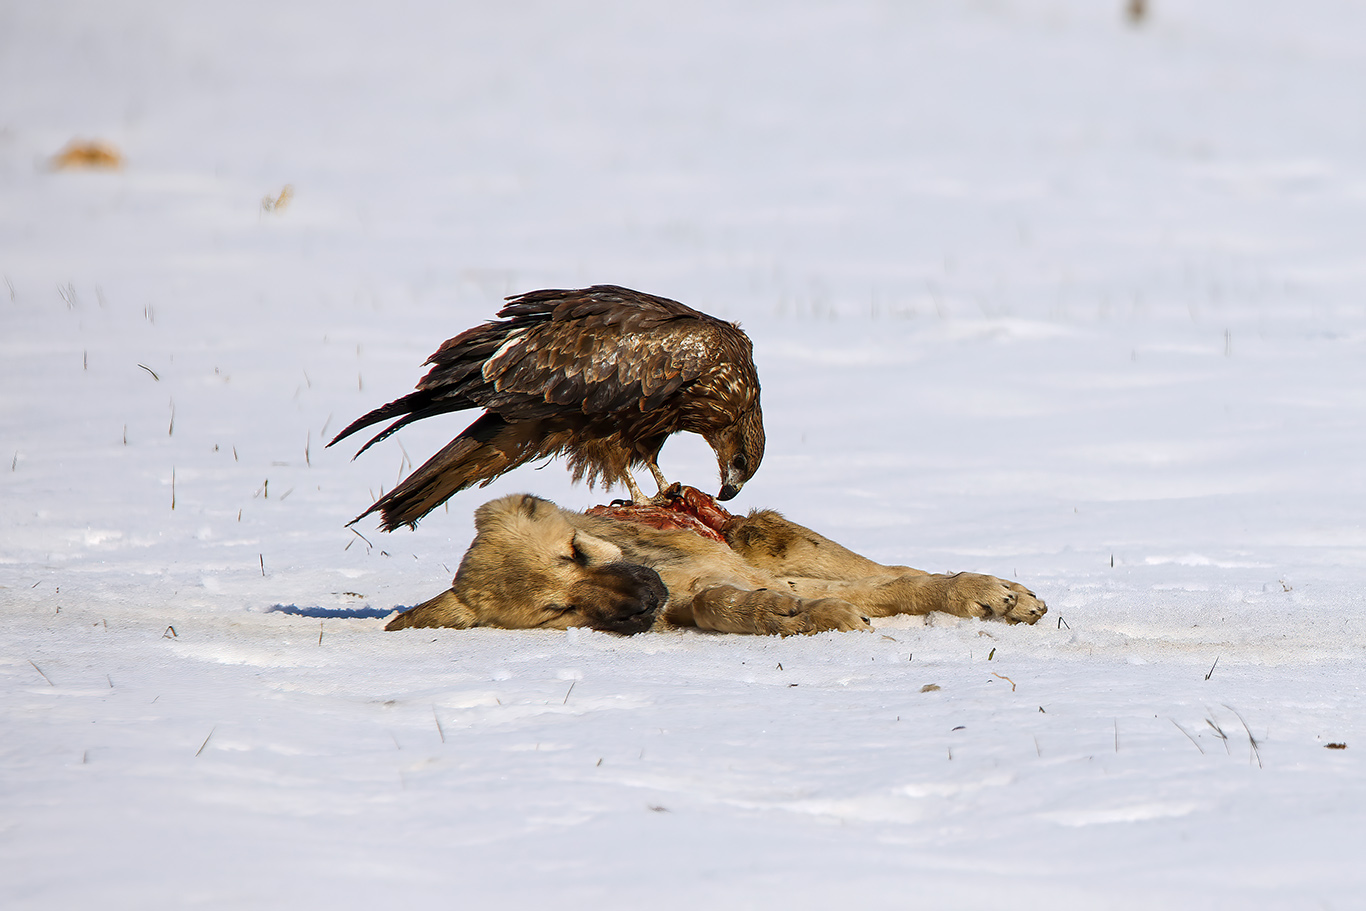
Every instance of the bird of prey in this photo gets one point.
(604, 375)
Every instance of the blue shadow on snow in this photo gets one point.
(327, 613)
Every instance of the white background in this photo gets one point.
(1033, 292)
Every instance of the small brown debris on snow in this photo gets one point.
(279, 202)
(91, 154)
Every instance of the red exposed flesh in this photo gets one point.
(688, 509)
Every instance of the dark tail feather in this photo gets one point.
(487, 448)
(412, 407)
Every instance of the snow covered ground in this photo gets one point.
(1034, 291)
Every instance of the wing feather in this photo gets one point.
(604, 349)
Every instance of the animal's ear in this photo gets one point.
(518, 504)
(445, 610)
(530, 505)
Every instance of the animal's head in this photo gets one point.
(529, 567)
(739, 450)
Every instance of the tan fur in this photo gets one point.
(534, 565)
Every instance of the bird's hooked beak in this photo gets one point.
(732, 479)
(737, 456)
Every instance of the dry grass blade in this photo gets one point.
(1188, 735)
(1220, 731)
(1256, 747)
(41, 674)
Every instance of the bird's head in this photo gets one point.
(739, 450)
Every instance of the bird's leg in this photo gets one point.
(637, 498)
(662, 481)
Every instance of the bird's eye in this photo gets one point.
(740, 463)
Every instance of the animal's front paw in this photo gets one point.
(764, 612)
(996, 599)
(823, 614)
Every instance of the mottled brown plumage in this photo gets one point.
(604, 375)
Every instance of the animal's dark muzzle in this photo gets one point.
(620, 598)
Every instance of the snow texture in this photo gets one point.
(1035, 290)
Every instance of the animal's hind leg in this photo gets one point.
(960, 594)
(772, 542)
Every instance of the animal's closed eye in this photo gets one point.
(576, 554)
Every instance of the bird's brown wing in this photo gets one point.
(599, 351)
